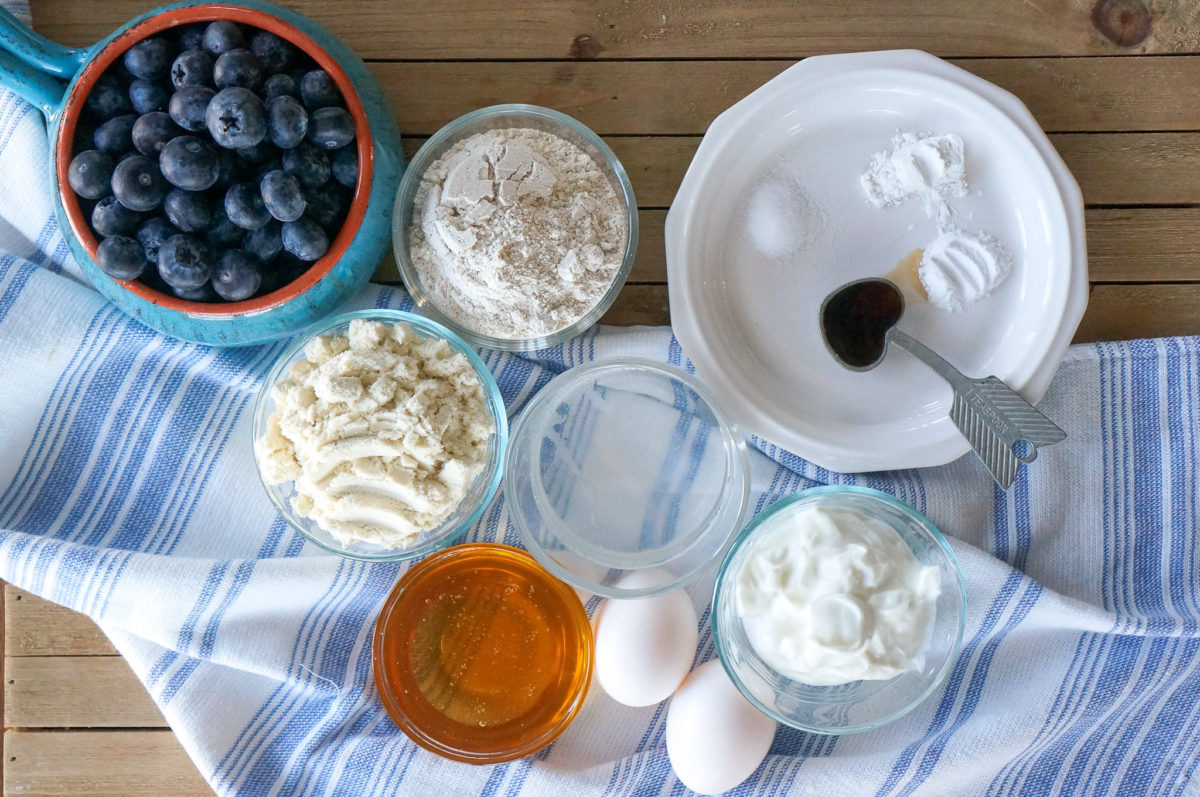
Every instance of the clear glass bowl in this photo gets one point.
(625, 466)
(478, 496)
(861, 705)
(498, 117)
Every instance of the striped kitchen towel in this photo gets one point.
(128, 492)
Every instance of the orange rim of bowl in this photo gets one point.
(258, 19)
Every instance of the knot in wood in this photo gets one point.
(585, 46)
(1123, 22)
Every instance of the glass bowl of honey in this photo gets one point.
(480, 655)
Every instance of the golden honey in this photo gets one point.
(481, 655)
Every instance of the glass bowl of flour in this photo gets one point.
(515, 226)
(380, 435)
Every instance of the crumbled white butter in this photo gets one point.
(381, 430)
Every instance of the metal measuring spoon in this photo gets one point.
(859, 320)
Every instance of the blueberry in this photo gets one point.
(229, 167)
(152, 131)
(108, 98)
(189, 163)
(290, 267)
(298, 74)
(282, 195)
(287, 122)
(308, 163)
(85, 130)
(188, 210)
(236, 118)
(265, 243)
(184, 262)
(259, 153)
(222, 36)
(236, 276)
(152, 234)
(344, 163)
(191, 37)
(327, 206)
(331, 128)
(90, 173)
(245, 208)
(238, 68)
(305, 239)
(150, 58)
(147, 96)
(114, 136)
(120, 257)
(279, 86)
(151, 279)
(204, 293)
(110, 217)
(318, 90)
(188, 104)
(222, 233)
(192, 68)
(262, 169)
(276, 54)
(138, 184)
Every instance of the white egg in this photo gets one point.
(645, 646)
(715, 737)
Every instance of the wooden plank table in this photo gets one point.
(1114, 83)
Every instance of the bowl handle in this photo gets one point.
(29, 64)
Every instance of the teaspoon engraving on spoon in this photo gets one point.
(859, 320)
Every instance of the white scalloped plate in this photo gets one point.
(749, 323)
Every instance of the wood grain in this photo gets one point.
(683, 97)
(1111, 168)
(1124, 245)
(37, 627)
(1116, 311)
(1143, 244)
(469, 29)
(1122, 312)
(99, 764)
(75, 692)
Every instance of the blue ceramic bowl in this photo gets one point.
(36, 68)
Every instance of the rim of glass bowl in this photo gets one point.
(457, 130)
(498, 446)
(418, 734)
(737, 467)
(720, 641)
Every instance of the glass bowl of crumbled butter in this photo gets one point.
(515, 226)
(379, 435)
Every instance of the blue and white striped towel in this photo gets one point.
(128, 492)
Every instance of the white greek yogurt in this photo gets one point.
(831, 596)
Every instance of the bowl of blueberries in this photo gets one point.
(226, 172)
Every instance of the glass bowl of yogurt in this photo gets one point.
(379, 435)
(838, 610)
(515, 226)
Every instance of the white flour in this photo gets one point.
(520, 233)
(958, 268)
(923, 167)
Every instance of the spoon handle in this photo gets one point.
(991, 415)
